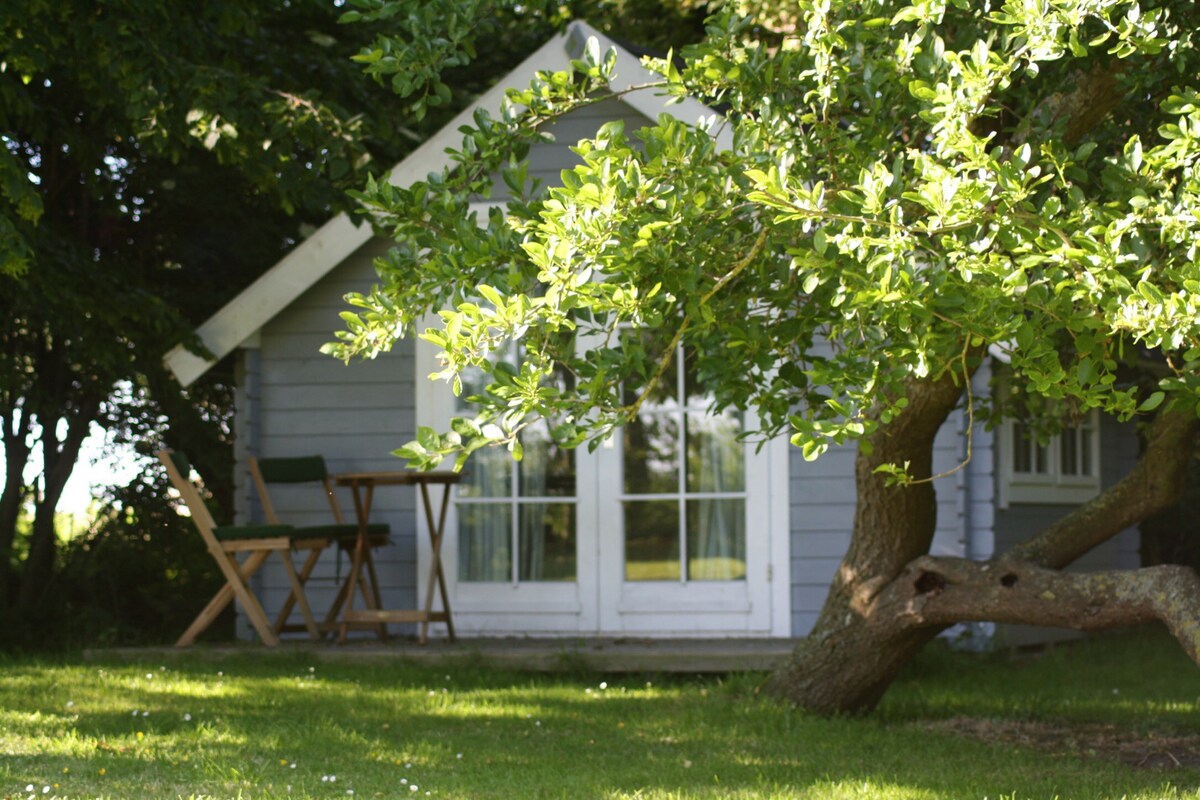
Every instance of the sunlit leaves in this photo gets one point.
(905, 185)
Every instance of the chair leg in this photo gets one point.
(250, 605)
(305, 572)
(374, 582)
(206, 617)
(298, 594)
(335, 610)
(235, 586)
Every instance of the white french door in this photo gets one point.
(666, 529)
(685, 510)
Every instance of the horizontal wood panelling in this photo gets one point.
(354, 415)
(301, 396)
(381, 422)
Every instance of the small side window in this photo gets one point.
(1065, 469)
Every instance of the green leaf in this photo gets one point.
(1150, 292)
(819, 241)
(1152, 402)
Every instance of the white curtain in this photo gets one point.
(484, 528)
(716, 527)
(533, 468)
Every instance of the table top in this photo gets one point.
(396, 478)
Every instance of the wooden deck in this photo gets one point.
(536, 655)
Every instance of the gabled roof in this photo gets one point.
(317, 255)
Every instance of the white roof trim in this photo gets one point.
(334, 241)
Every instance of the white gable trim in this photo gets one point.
(649, 103)
(316, 256)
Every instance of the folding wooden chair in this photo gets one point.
(312, 470)
(257, 542)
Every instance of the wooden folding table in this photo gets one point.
(362, 486)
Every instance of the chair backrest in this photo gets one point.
(179, 471)
(299, 469)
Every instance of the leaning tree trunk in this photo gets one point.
(890, 597)
(851, 656)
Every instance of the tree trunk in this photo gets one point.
(852, 654)
(890, 597)
(16, 456)
(58, 463)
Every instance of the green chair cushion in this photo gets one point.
(346, 531)
(234, 533)
(302, 469)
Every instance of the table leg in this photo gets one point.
(436, 575)
(441, 576)
(362, 507)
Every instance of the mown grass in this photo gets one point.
(283, 726)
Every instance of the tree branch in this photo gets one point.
(941, 591)
(1094, 96)
(1151, 486)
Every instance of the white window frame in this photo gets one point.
(1050, 487)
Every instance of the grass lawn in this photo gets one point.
(956, 726)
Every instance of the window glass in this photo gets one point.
(684, 481)
(715, 458)
(652, 541)
(1064, 470)
(484, 542)
(516, 520)
(547, 543)
(716, 542)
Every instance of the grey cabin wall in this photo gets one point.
(296, 401)
(353, 414)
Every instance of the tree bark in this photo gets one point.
(16, 456)
(890, 597)
(852, 654)
(943, 591)
(58, 463)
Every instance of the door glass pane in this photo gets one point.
(484, 542)
(716, 540)
(652, 540)
(490, 470)
(547, 542)
(665, 394)
(695, 394)
(715, 458)
(545, 547)
(488, 474)
(652, 454)
(547, 470)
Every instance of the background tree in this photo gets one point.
(156, 157)
(910, 186)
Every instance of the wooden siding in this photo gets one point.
(547, 160)
(354, 415)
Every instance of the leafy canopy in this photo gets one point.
(905, 186)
